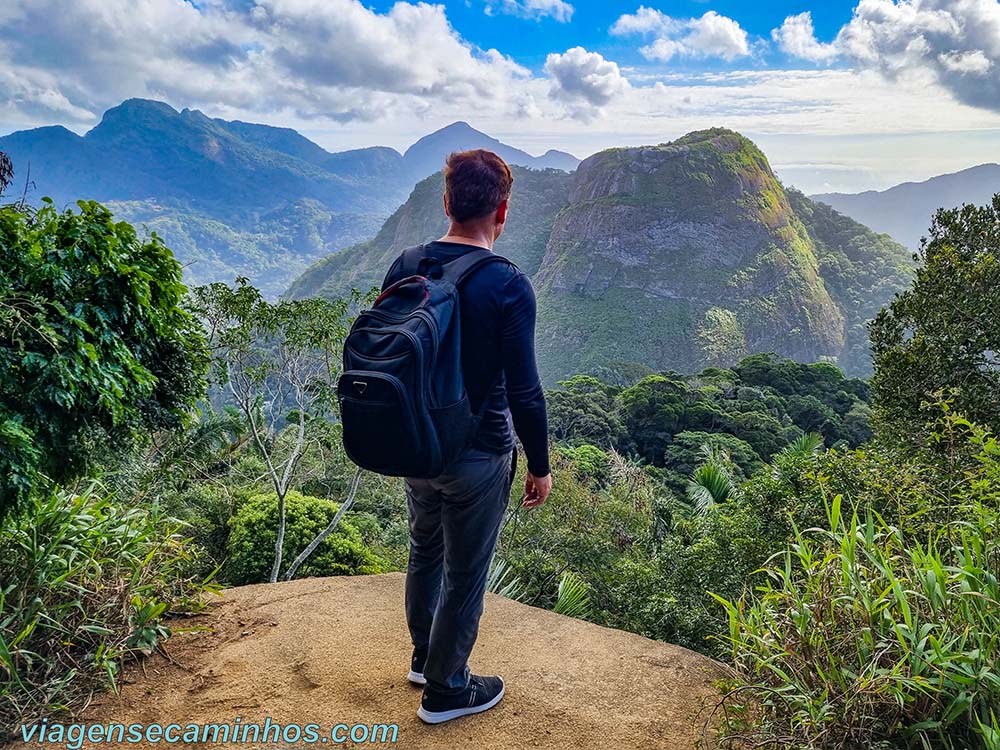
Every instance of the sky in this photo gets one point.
(842, 95)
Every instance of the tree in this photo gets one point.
(942, 335)
(6, 172)
(686, 453)
(96, 346)
(653, 412)
(584, 410)
(278, 364)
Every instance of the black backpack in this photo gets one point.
(403, 403)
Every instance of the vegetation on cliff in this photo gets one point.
(678, 256)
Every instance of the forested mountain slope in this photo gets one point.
(235, 198)
(677, 256)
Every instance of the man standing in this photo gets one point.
(455, 518)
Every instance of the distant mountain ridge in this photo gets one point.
(426, 156)
(905, 211)
(677, 256)
(236, 198)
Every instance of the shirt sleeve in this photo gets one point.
(392, 273)
(525, 396)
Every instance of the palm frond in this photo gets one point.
(503, 582)
(805, 445)
(710, 485)
(573, 598)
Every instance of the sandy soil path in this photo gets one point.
(336, 650)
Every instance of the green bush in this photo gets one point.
(590, 463)
(96, 348)
(85, 583)
(592, 533)
(254, 533)
(866, 634)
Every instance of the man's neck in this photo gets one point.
(473, 237)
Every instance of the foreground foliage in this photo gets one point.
(254, 533)
(872, 630)
(96, 349)
(87, 582)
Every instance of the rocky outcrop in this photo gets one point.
(678, 233)
(336, 651)
(677, 256)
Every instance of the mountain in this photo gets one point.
(553, 159)
(677, 256)
(147, 150)
(539, 196)
(427, 156)
(235, 198)
(905, 211)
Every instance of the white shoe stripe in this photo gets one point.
(439, 717)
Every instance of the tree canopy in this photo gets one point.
(940, 338)
(95, 344)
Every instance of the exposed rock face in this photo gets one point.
(675, 233)
(539, 196)
(677, 256)
(336, 650)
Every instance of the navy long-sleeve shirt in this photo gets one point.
(498, 335)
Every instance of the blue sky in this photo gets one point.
(530, 40)
(844, 95)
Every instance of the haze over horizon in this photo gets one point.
(847, 95)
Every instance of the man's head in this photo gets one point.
(477, 186)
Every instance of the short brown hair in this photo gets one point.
(475, 183)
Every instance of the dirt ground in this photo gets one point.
(336, 650)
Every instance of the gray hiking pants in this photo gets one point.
(455, 520)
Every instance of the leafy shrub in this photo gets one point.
(590, 463)
(588, 532)
(96, 348)
(86, 582)
(866, 633)
(254, 534)
(863, 635)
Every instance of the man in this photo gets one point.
(455, 518)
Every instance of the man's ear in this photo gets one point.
(444, 200)
(502, 211)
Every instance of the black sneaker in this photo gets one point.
(482, 694)
(416, 675)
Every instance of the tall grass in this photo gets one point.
(85, 582)
(864, 637)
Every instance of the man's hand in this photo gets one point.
(536, 490)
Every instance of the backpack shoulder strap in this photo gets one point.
(411, 258)
(460, 269)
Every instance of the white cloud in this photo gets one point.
(797, 37)
(332, 59)
(953, 42)
(644, 21)
(712, 35)
(559, 10)
(584, 80)
(972, 63)
(349, 76)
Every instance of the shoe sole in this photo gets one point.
(440, 717)
(416, 678)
